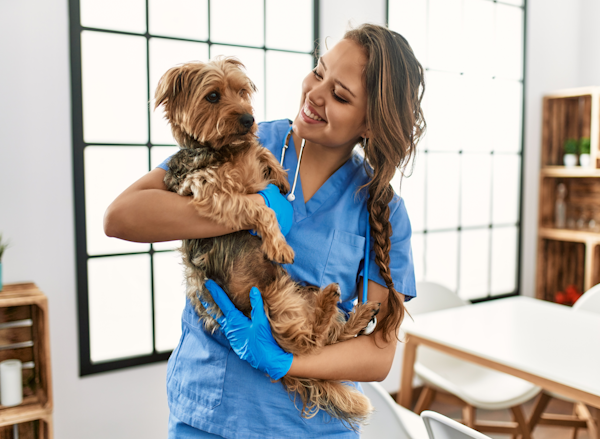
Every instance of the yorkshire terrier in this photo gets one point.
(220, 160)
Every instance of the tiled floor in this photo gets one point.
(540, 432)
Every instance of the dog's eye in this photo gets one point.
(243, 92)
(213, 97)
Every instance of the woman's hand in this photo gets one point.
(251, 339)
(281, 206)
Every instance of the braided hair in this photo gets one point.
(393, 76)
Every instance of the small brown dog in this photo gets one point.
(220, 161)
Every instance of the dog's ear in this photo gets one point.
(169, 85)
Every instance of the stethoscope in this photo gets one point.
(291, 197)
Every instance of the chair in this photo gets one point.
(581, 418)
(441, 427)
(389, 420)
(467, 384)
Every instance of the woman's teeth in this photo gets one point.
(309, 114)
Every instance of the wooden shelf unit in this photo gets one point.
(569, 256)
(24, 335)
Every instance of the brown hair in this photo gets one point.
(393, 76)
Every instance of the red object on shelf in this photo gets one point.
(568, 297)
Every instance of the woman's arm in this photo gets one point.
(363, 358)
(147, 212)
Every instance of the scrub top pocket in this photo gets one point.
(343, 262)
(200, 363)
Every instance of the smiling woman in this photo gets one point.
(353, 97)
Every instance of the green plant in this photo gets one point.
(570, 146)
(3, 246)
(584, 145)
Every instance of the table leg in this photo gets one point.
(404, 397)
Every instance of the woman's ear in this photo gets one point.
(366, 134)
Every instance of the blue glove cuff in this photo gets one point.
(280, 205)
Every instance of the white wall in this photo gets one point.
(36, 195)
(36, 213)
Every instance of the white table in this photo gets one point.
(544, 343)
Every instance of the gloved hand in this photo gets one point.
(281, 206)
(251, 339)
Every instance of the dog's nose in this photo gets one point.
(246, 120)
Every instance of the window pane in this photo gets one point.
(442, 190)
(446, 124)
(507, 185)
(507, 113)
(474, 263)
(509, 42)
(504, 259)
(254, 61)
(512, 2)
(129, 16)
(284, 32)
(169, 299)
(119, 307)
(417, 243)
(441, 258)
(114, 88)
(413, 191)
(445, 28)
(477, 121)
(179, 18)
(109, 170)
(285, 73)
(165, 54)
(476, 180)
(238, 22)
(478, 43)
(409, 19)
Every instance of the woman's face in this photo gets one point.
(334, 99)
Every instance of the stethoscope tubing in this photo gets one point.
(291, 197)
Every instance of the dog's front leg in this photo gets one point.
(274, 172)
(216, 200)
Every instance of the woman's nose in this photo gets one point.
(316, 96)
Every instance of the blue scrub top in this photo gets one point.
(208, 386)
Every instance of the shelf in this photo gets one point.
(569, 235)
(575, 171)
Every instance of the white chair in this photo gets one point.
(581, 418)
(470, 385)
(390, 420)
(441, 427)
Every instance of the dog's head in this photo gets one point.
(208, 103)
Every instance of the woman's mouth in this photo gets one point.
(309, 116)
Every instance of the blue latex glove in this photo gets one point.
(251, 339)
(281, 206)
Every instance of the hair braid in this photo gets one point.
(393, 78)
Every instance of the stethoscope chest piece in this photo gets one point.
(291, 197)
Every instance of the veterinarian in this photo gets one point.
(364, 91)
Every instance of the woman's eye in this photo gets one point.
(213, 97)
(337, 98)
(316, 74)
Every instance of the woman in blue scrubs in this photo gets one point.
(366, 90)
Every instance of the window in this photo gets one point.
(130, 295)
(464, 195)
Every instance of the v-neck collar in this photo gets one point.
(334, 184)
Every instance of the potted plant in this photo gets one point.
(584, 151)
(570, 151)
(3, 246)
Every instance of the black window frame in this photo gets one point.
(86, 366)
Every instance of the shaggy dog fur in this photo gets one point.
(220, 162)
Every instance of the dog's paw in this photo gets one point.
(282, 254)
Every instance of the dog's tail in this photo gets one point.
(341, 400)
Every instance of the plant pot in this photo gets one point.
(570, 160)
(584, 160)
